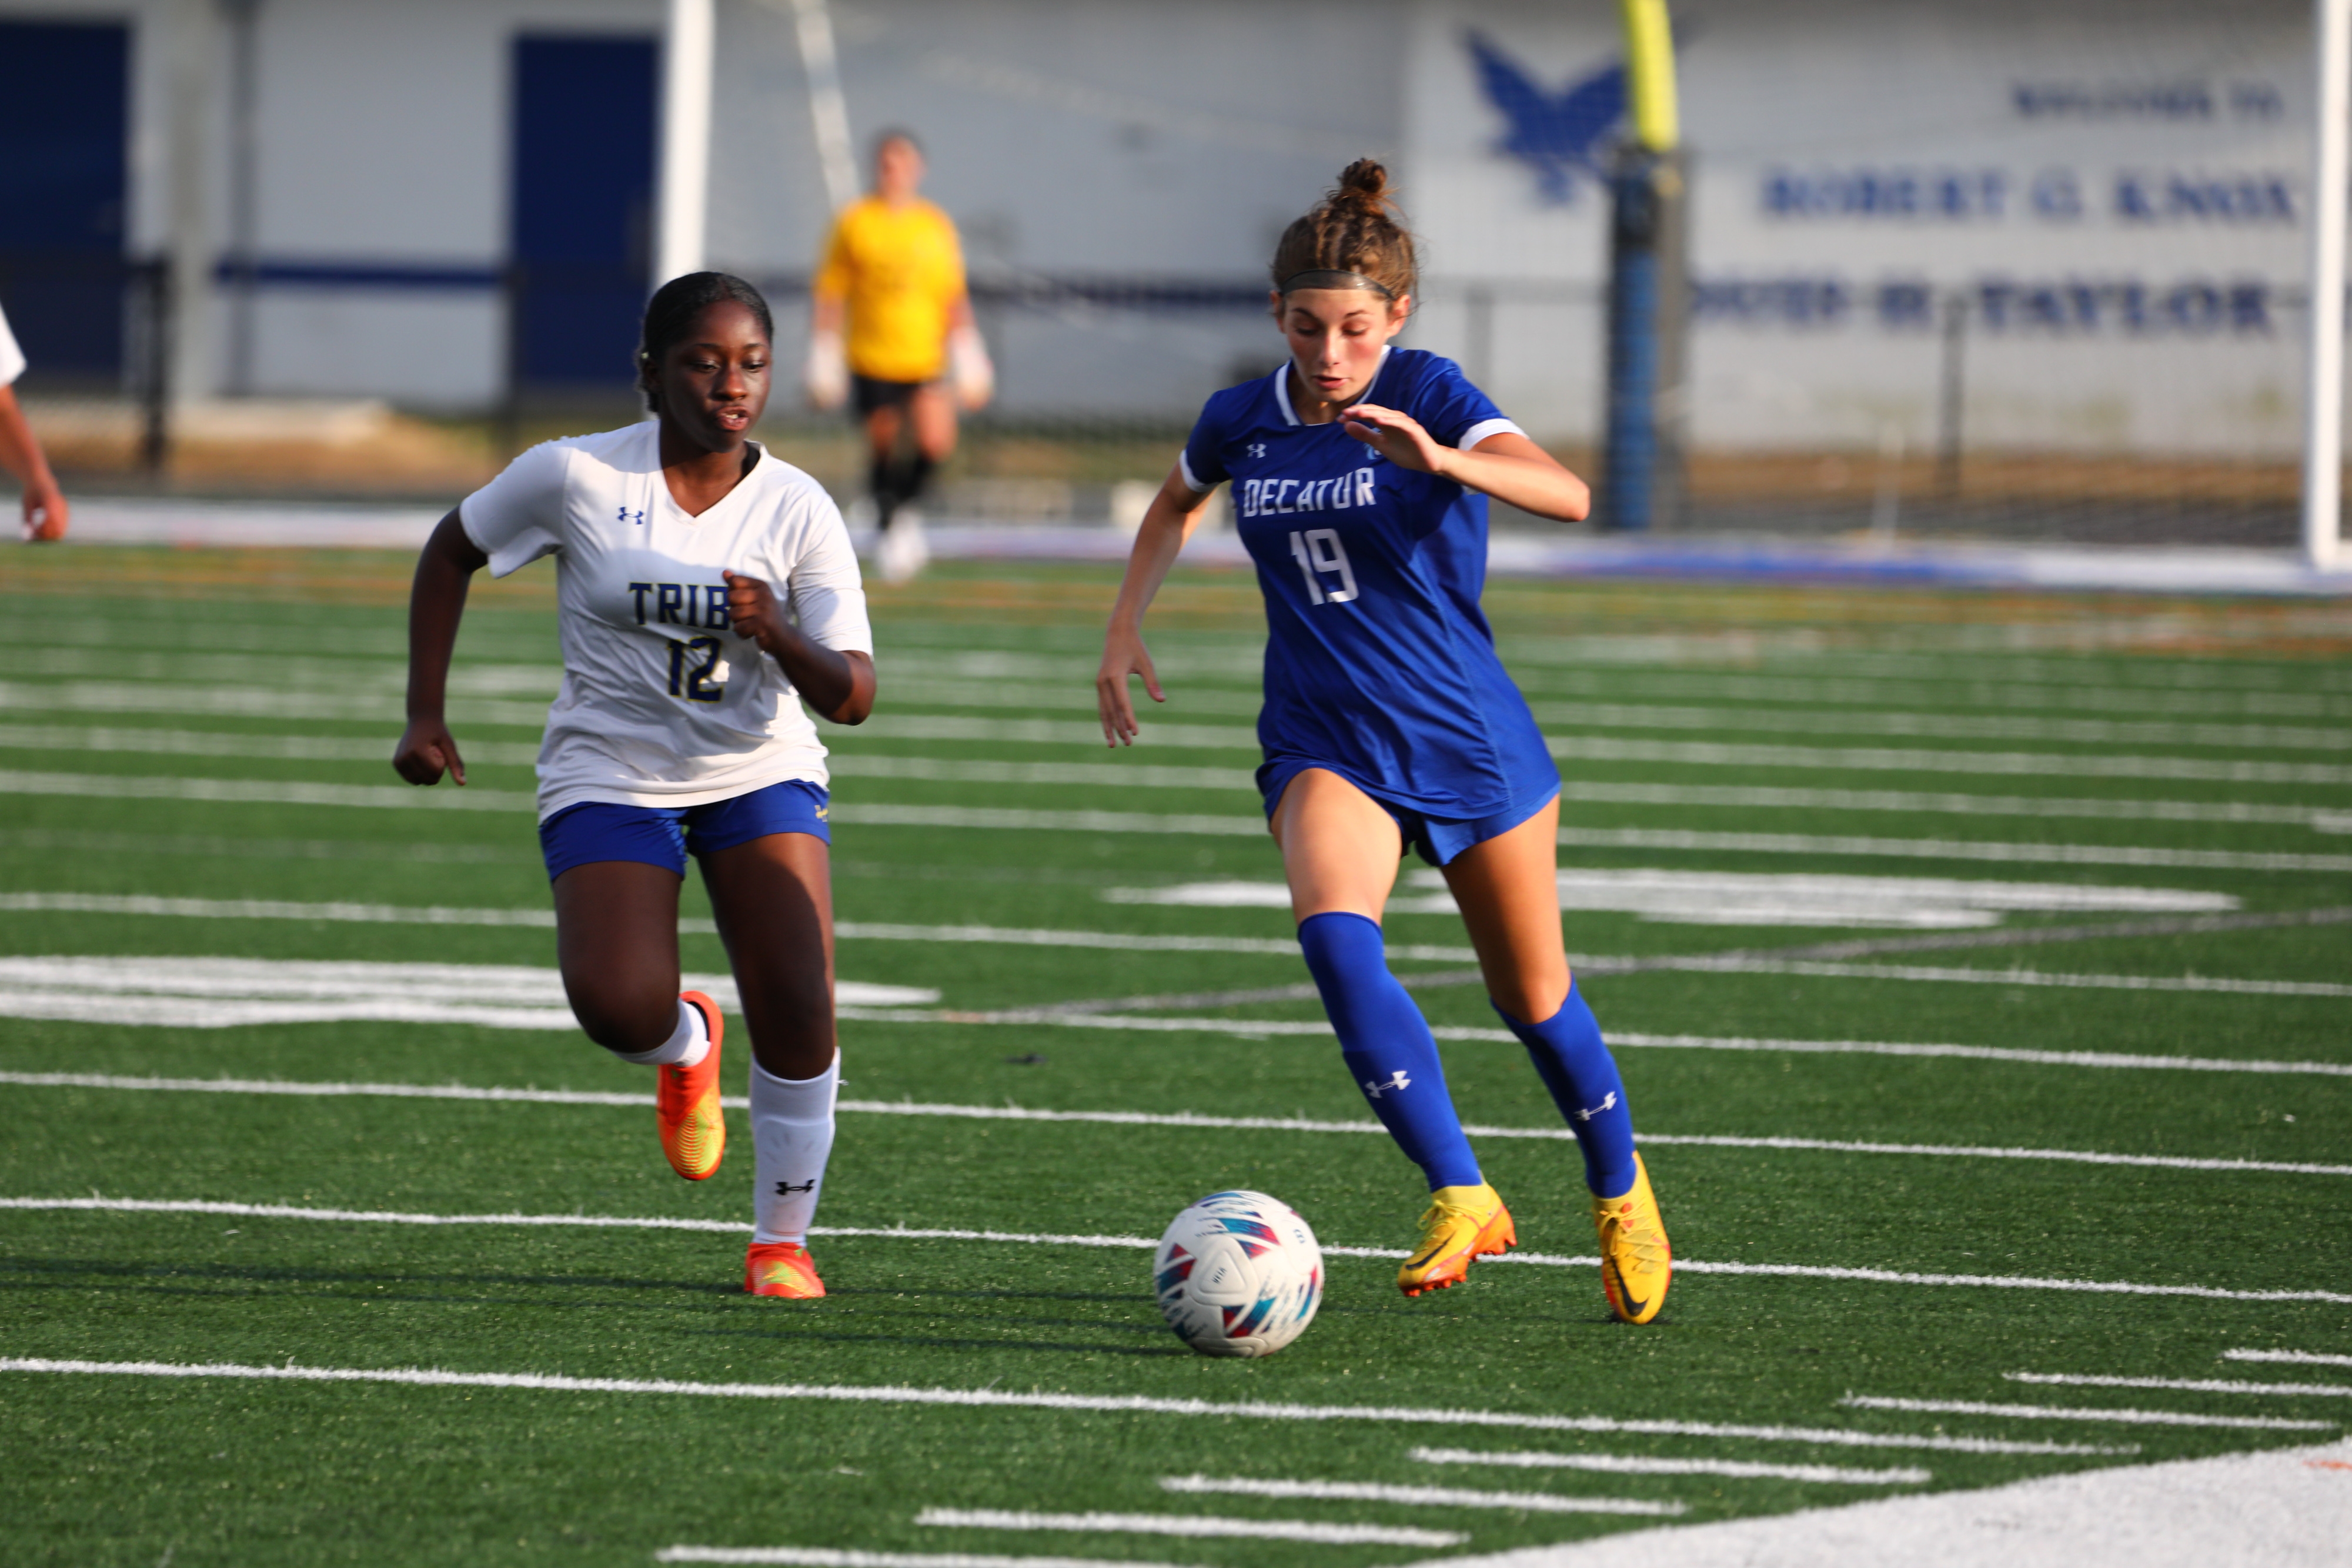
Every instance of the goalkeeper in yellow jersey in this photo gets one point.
(892, 334)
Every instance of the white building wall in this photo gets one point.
(1836, 103)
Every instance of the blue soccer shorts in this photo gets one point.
(666, 835)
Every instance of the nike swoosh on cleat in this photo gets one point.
(1632, 1307)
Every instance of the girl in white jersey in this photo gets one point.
(705, 590)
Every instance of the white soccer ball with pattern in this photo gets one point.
(1238, 1273)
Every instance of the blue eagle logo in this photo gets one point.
(1556, 134)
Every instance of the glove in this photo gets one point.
(826, 377)
(967, 367)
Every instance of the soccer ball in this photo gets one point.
(1238, 1273)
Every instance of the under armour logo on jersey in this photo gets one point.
(1380, 1086)
(629, 517)
(785, 1188)
(1257, 448)
(1607, 1101)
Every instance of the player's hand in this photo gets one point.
(427, 750)
(1124, 654)
(46, 512)
(751, 606)
(1398, 437)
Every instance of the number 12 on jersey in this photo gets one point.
(1319, 553)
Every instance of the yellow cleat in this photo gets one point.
(1460, 1223)
(1635, 1260)
(781, 1269)
(686, 1103)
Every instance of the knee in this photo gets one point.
(1527, 1001)
(628, 1019)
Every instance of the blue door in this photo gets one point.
(64, 117)
(581, 209)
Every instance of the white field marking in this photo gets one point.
(1886, 691)
(1746, 898)
(1211, 698)
(1149, 776)
(1005, 1399)
(2055, 1413)
(848, 930)
(1417, 1497)
(1736, 965)
(835, 1557)
(1017, 819)
(242, 700)
(1536, 1259)
(240, 743)
(1154, 1119)
(1645, 1465)
(228, 993)
(1949, 850)
(1191, 1524)
(2290, 1357)
(1893, 759)
(2187, 1385)
(1689, 754)
(262, 791)
(1944, 726)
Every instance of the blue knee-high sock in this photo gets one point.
(1577, 1068)
(1387, 1045)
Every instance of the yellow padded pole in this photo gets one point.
(1649, 75)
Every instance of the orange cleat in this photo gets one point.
(781, 1269)
(1461, 1223)
(686, 1103)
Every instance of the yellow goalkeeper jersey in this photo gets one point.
(900, 269)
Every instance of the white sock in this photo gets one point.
(688, 1044)
(792, 1136)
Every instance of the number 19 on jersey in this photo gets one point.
(1319, 555)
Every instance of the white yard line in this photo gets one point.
(1573, 749)
(1841, 845)
(261, 791)
(2054, 1413)
(239, 700)
(1942, 726)
(1192, 1525)
(99, 1204)
(2092, 1059)
(993, 1399)
(1237, 781)
(2188, 1384)
(1650, 1464)
(2290, 1357)
(1773, 1141)
(2279, 1507)
(1416, 1496)
(867, 931)
(832, 1557)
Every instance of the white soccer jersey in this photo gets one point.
(662, 705)
(12, 358)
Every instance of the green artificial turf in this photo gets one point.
(102, 653)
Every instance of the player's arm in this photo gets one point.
(436, 602)
(838, 683)
(20, 453)
(1506, 466)
(1174, 513)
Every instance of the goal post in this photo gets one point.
(2323, 452)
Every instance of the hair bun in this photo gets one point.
(1363, 185)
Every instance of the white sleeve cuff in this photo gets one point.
(1484, 428)
(1184, 468)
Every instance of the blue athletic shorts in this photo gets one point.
(1437, 840)
(666, 835)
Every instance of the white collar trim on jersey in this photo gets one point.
(1282, 383)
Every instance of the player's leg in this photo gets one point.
(884, 422)
(616, 943)
(772, 896)
(933, 413)
(1340, 851)
(1509, 890)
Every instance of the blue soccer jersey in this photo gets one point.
(1380, 664)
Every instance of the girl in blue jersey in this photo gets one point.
(1360, 474)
